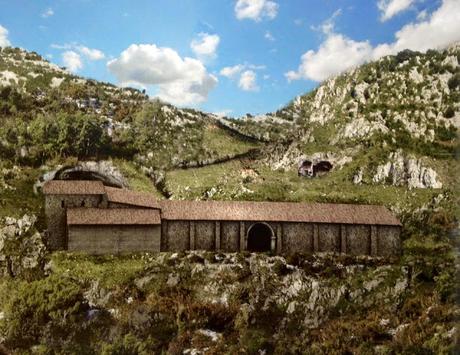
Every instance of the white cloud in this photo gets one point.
(205, 46)
(269, 36)
(439, 30)
(390, 8)
(60, 46)
(336, 54)
(245, 73)
(91, 53)
(48, 13)
(339, 53)
(4, 42)
(72, 61)
(422, 15)
(232, 72)
(248, 81)
(180, 81)
(256, 9)
(327, 27)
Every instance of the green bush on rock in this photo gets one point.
(49, 308)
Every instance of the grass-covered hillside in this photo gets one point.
(390, 130)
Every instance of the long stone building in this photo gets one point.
(90, 217)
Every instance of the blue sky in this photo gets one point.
(233, 56)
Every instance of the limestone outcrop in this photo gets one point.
(103, 170)
(21, 246)
(401, 169)
(285, 159)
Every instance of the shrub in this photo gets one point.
(127, 345)
(53, 306)
(450, 112)
(454, 82)
(405, 55)
(256, 341)
(281, 268)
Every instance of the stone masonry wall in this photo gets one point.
(205, 235)
(297, 237)
(55, 210)
(388, 240)
(290, 237)
(114, 239)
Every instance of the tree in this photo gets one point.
(68, 135)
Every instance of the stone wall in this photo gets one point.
(388, 240)
(205, 235)
(114, 239)
(176, 235)
(290, 238)
(328, 238)
(227, 236)
(358, 240)
(55, 210)
(297, 237)
(230, 236)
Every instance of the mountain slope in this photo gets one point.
(34, 91)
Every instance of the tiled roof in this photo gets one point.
(132, 198)
(73, 187)
(210, 210)
(277, 211)
(112, 216)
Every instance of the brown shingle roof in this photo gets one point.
(72, 187)
(112, 216)
(132, 198)
(277, 211)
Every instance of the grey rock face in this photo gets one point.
(103, 171)
(292, 157)
(21, 247)
(97, 296)
(406, 170)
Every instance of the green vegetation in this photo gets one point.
(136, 179)
(217, 140)
(153, 303)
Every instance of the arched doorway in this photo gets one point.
(260, 237)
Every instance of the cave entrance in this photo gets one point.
(260, 237)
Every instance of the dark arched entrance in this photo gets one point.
(260, 237)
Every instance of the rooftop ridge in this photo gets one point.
(132, 198)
